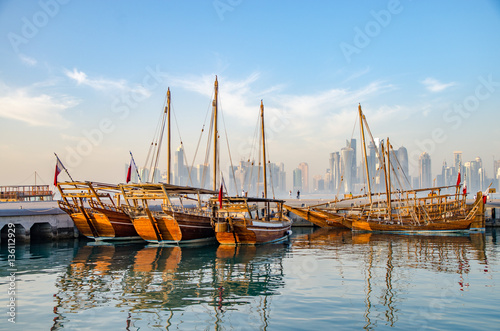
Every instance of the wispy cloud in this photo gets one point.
(28, 60)
(239, 98)
(309, 119)
(106, 85)
(434, 85)
(32, 107)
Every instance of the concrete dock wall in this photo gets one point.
(41, 220)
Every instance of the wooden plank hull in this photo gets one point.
(107, 224)
(119, 221)
(323, 220)
(452, 225)
(175, 228)
(82, 224)
(252, 233)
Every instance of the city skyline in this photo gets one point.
(246, 177)
(87, 80)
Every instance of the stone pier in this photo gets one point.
(35, 221)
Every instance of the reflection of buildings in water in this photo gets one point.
(448, 254)
(385, 260)
(156, 282)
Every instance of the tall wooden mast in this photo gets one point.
(389, 167)
(361, 119)
(387, 171)
(216, 88)
(167, 110)
(263, 146)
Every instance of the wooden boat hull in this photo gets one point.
(122, 226)
(442, 226)
(106, 224)
(82, 224)
(323, 220)
(175, 228)
(252, 233)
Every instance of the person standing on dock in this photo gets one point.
(298, 194)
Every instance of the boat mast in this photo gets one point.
(263, 146)
(167, 110)
(389, 167)
(216, 88)
(361, 119)
(387, 188)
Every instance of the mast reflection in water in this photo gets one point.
(157, 285)
(321, 279)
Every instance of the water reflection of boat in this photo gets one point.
(160, 279)
(389, 266)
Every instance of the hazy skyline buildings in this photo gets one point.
(304, 170)
(425, 173)
(297, 180)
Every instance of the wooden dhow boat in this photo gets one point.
(159, 211)
(245, 220)
(176, 220)
(397, 210)
(250, 221)
(94, 208)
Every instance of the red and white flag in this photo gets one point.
(458, 179)
(131, 168)
(220, 196)
(59, 168)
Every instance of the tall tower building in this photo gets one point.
(144, 172)
(346, 169)
(457, 157)
(335, 170)
(496, 166)
(297, 180)
(403, 160)
(304, 168)
(425, 170)
(180, 170)
(354, 164)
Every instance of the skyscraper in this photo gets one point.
(425, 170)
(403, 160)
(180, 170)
(354, 164)
(346, 169)
(297, 180)
(335, 170)
(457, 156)
(304, 168)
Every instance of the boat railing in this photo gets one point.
(67, 207)
(102, 205)
(185, 210)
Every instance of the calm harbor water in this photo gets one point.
(320, 279)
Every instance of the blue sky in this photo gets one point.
(87, 79)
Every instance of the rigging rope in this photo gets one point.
(229, 152)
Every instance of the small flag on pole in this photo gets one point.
(458, 179)
(59, 167)
(220, 196)
(131, 169)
